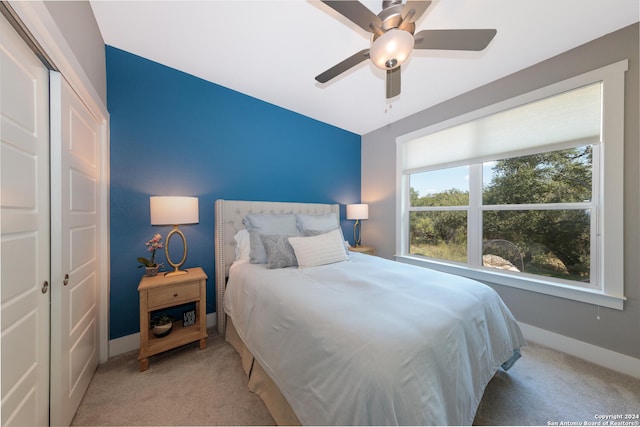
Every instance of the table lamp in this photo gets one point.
(174, 211)
(357, 211)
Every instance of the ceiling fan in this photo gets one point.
(393, 37)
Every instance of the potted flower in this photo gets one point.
(150, 263)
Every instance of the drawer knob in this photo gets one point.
(175, 294)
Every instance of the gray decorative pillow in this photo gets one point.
(324, 222)
(259, 224)
(279, 251)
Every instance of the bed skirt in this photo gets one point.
(259, 382)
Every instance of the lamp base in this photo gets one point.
(177, 265)
(175, 273)
(356, 233)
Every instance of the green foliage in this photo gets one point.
(443, 226)
(452, 197)
(552, 242)
(555, 177)
(452, 252)
(146, 262)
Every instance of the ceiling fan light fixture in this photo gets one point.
(391, 49)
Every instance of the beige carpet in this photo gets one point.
(187, 386)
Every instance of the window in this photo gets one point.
(524, 193)
(534, 212)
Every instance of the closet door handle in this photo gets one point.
(65, 282)
(45, 287)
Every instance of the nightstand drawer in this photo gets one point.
(173, 295)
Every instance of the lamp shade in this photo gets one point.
(391, 49)
(173, 210)
(358, 211)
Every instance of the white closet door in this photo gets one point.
(24, 158)
(75, 220)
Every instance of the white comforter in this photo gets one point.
(371, 341)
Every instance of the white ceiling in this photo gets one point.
(273, 49)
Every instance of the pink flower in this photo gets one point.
(154, 243)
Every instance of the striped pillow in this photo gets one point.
(322, 249)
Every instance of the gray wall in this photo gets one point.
(78, 25)
(615, 330)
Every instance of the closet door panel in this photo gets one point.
(25, 244)
(75, 260)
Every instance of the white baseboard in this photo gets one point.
(124, 344)
(131, 342)
(600, 356)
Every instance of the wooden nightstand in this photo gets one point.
(160, 292)
(363, 249)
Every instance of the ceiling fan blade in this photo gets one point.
(343, 66)
(418, 6)
(393, 82)
(356, 12)
(453, 39)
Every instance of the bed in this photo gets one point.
(357, 341)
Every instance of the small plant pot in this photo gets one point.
(162, 330)
(161, 324)
(151, 271)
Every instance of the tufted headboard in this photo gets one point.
(228, 220)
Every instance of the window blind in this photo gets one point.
(569, 118)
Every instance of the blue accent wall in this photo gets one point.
(173, 134)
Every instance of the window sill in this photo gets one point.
(589, 296)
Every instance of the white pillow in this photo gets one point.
(243, 245)
(322, 249)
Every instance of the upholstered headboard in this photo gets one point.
(229, 215)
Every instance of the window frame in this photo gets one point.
(608, 177)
